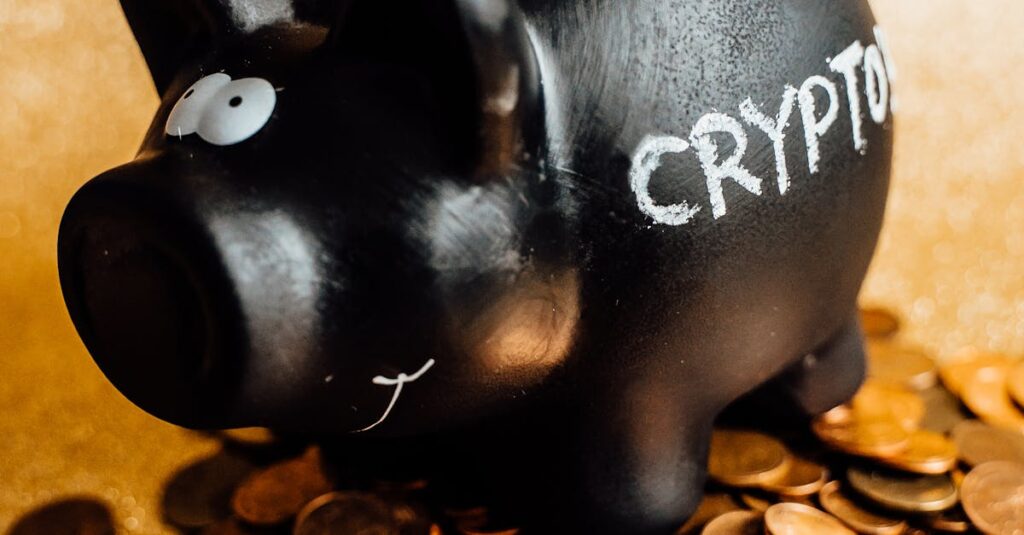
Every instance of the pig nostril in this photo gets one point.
(235, 102)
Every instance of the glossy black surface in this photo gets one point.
(443, 191)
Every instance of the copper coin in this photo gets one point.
(927, 453)
(853, 515)
(799, 519)
(877, 438)
(878, 322)
(346, 513)
(249, 436)
(942, 410)
(756, 502)
(712, 506)
(803, 478)
(277, 493)
(1015, 384)
(487, 530)
(979, 443)
(878, 401)
(986, 395)
(964, 367)
(951, 521)
(900, 365)
(746, 458)
(200, 494)
(736, 523)
(904, 492)
(77, 515)
(993, 495)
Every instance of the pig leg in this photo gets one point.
(830, 375)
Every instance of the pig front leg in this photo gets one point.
(830, 375)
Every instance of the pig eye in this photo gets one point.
(187, 113)
(237, 111)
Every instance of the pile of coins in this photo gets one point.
(259, 485)
(905, 455)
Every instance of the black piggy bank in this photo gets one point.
(547, 239)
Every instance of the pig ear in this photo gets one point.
(480, 56)
(168, 31)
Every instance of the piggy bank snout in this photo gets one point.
(152, 303)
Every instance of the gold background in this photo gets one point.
(75, 99)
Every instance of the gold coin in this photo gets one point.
(803, 478)
(344, 513)
(736, 523)
(877, 401)
(904, 492)
(860, 519)
(942, 410)
(486, 530)
(878, 322)
(979, 443)
(277, 493)
(1015, 384)
(900, 365)
(968, 364)
(986, 396)
(746, 458)
(993, 495)
(876, 438)
(927, 453)
(799, 519)
(712, 506)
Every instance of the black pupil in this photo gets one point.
(235, 101)
(189, 93)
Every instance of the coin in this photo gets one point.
(942, 410)
(736, 523)
(803, 478)
(200, 494)
(249, 436)
(79, 516)
(277, 493)
(901, 365)
(951, 521)
(993, 495)
(345, 513)
(834, 501)
(756, 502)
(877, 401)
(878, 438)
(927, 453)
(979, 443)
(799, 519)
(746, 459)
(968, 364)
(713, 505)
(986, 396)
(1015, 384)
(904, 492)
(878, 322)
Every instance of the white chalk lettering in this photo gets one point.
(814, 128)
(879, 75)
(877, 84)
(646, 160)
(398, 383)
(846, 64)
(775, 129)
(707, 151)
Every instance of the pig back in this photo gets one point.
(726, 163)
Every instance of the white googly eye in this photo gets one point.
(237, 111)
(188, 111)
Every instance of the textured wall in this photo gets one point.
(75, 100)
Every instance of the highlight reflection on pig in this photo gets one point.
(569, 232)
